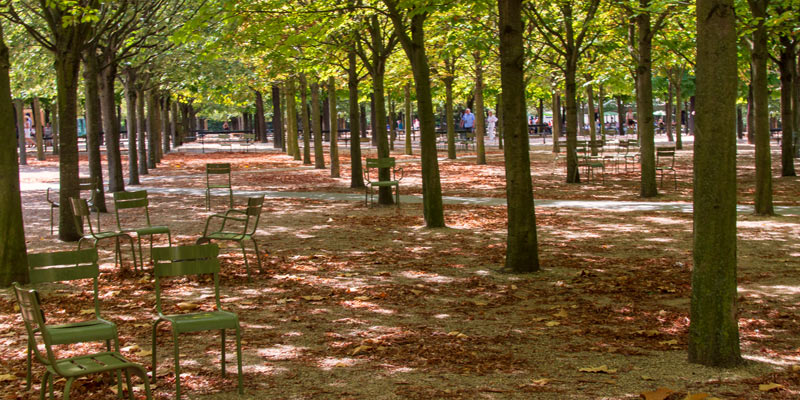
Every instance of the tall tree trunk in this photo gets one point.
(334, 128)
(739, 123)
(620, 115)
(678, 130)
(306, 120)
(130, 103)
(392, 121)
(480, 116)
(316, 126)
(601, 113)
(556, 120)
(39, 128)
(499, 126)
(522, 254)
(153, 126)
(668, 112)
(93, 124)
(409, 123)
(796, 106)
(713, 331)
(141, 119)
(326, 118)
(751, 116)
(13, 252)
(165, 131)
(175, 127)
(291, 110)
(261, 123)
(116, 182)
(449, 117)
(277, 121)
(573, 175)
(22, 144)
(414, 47)
(67, 64)
(55, 130)
(787, 71)
(758, 64)
(644, 104)
(357, 172)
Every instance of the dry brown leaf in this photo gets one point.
(480, 302)
(770, 387)
(552, 323)
(795, 368)
(7, 377)
(313, 298)
(360, 349)
(540, 382)
(87, 311)
(187, 306)
(658, 394)
(416, 292)
(647, 378)
(361, 298)
(457, 334)
(144, 353)
(561, 314)
(538, 319)
(603, 369)
(648, 333)
(698, 396)
(668, 342)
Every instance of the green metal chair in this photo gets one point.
(84, 184)
(372, 178)
(184, 261)
(665, 162)
(72, 367)
(248, 140)
(80, 210)
(138, 200)
(248, 219)
(69, 266)
(223, 182)
(225, 140)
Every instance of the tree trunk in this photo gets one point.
(93, 125)
(620, 115)
(291, 110)
(277, 121)
(326, 117)
(261, 123)
(334, 130)
(787, 70)
(22, 144)
(713, 331)
(751, 116)
(449, 118)
(499, 125)
(13, 252)
(573, 175)
(480, 116)
(601, 113)
(55, 130)
(758, 62)
(522, 254)
(392, 121)
(357, 172)
(739, 123)
(130, 103)
(644, 104)
(316, 127)
(414, 47)
(67, 65)
(141, 120)
(306, 121)
(409, 123)
(175, 127)
(165, 131)
(116, 182)
(590, 114)
(38, 126)
(679, 129)
(668, 112)
(153, 125)
(556, 120)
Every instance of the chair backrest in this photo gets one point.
(218, 169)
(249, 137)
(184, 261)
(62, 266)
(131, 200)
(387, 162)
(33, 317)
(253, 211)
(665, 156)
(80, 211)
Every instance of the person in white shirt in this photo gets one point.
(491, 121)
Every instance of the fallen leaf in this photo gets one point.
(457, 334)
(359, 349)
(7, 377)
(658, 394)
(361, 298)
(698, 396)
(480, 302)
(540, 382)
(561, 314)
(416, 292)
(144, 353)
(384, 273)
(187, 306)
(796, 368)
(538, 319)
(553, 323)
(648, 333)
(770, 387)
(313, 298)
(668, 342)
(647, 378)
(87, 311)
(603, 369)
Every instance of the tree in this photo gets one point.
(316, 126)
(758, 66)
(713, 331)
(334, 130)
(522, 254)
(13, 253)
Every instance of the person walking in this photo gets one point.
(467, 122)
(491, 122)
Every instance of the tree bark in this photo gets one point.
(93, 125)
(409, 123)
(713, 331)
(668, 112)
(556, 120)
(758, 63)
(277, 121)
(522, 254)
(130, 102)
(13, 252)
(165, 130)
(787, 71)
(67, 65)
(620, 115)
(573, 175)
(644, 103)
(316, 128)
(480, 116)
(39, 128)
(590, 115)
(751, 117)
(307, 128)
(141, 129)
(334, 130)
(357, 171)
(679, 129)
(449, 117)
(153, 126)
(175, 127)
(601, 113)
(261, 123)
(291, 110)
(108, 75)
(22, 144)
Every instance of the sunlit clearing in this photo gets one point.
(664, 221)
(369, 306)
(441, 316)
(769, 360)
(427, 277)
(660, 240)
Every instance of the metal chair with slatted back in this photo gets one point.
(373, 180)
(665, 162)
(133, 201)
(70, 368)
(84, 185)
(223, 181)
(247, 219)
(64, 266)
(80, 210)
(183, 261)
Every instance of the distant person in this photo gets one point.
(400, 124)
(491, 121)
(416, 124)
(467, 121)
(225, 126)
(29, 142)
(629, 118)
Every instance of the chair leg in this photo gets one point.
(177, 364)
(141, 373)
(127, 382)
(141, 257)
(117, 255)
(45, 380)
(28, 372)
(51, 220)
(239, 358)
(244, 255)
(154, 348)
(258, 256)
(222, 361)
(133, 254)
(67, 388)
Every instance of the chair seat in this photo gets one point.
(148, 230)
(213, 186)
(93, 363)
(105, 235)
(227, 236)
(384, 183)
(665, 169)
(203, 321)
(84, 331)
(53, 204)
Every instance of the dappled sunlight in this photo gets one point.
(281, 352)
